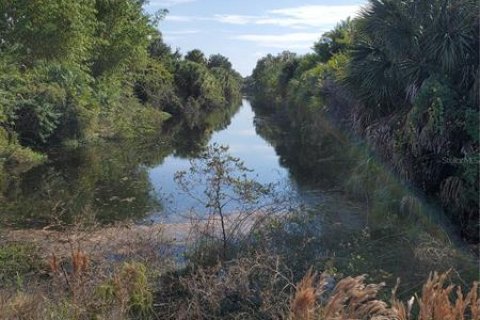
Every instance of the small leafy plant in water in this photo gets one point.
(229, 194)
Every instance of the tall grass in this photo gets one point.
(353, 299)
(255, 285)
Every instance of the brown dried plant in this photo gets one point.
(352, 299)
(53, 263)
(79, 262)
(435, 302)
(303, 303)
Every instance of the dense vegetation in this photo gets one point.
(246, 265)
(404, 76)
(78, 70)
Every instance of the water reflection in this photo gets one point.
(314, 157)
(110, 180)
(363, 219)
(240, 135)
(313, 160)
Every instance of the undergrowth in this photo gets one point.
(133, 275)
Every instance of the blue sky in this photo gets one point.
(245, 30)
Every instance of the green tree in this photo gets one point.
(48, 29)
(219, 61)
(400, 44)
(123, 34)
(154, 86)
(195, 83)
(335, 41)
(196, 56)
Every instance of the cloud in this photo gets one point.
(318, 16)
(295, 17)
(259, 54)
(167, 3)
(178, 34)
(234, 19)
(312, 15)
(297, 40)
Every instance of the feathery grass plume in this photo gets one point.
(435, 302)
(398, 307)
(353, 299)
(475, 301)
(304, 302)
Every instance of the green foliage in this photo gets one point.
(196, 56)
(130, 287)
(154, 87)
(400, 44)
(271, 75)
(54, 102)
(16, 259)
(158, 49)
(472, 125)
(78, 70)
(403, 74)
(48, 29)
(229, 81)
(135, 121)
(198, 86)
(336, 41)
(219, 61)
(122, 36)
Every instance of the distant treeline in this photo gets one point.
(76, 70)
(404, 76)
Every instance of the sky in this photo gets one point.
(246, 30)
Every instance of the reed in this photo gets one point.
(353, 299)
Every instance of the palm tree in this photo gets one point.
(399, 44)
(415, 63)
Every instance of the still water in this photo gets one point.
(244, 143)
(120, 180)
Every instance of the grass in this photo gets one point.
(132, 272)
(16, 261)
(353, 299)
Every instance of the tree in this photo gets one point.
(194, 81)
(48, 29)
(123, 34)
(219, 61)
(335, 41)
(226, 184)
(400, 44)
(196, 56)
(159, 49)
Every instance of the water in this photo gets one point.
(135, 180)
(244, 143)
(311, 163)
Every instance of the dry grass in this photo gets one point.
(126, 272)
(86, 274)
(248, 288)
(353, 299)
(304, 300)
(435, 302)
(125, 240)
